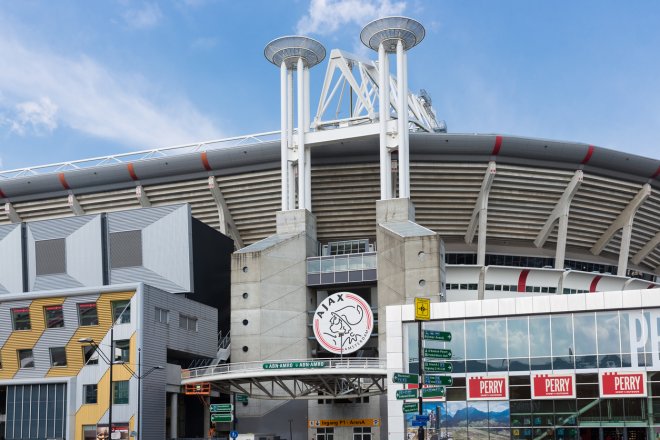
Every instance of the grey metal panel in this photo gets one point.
(11, 256)
(200, 343)
(166, 247)
(135, 219)
(84, 265)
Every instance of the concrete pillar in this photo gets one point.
(174, 415)
(207, 415)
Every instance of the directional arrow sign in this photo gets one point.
(241, 397)
(433, 392)
(418, 423)
(410, 407)
(406, 394)
(438, 367)
(405, 378)
(437, 353)
(222, 407)
(434, 335)
(222, 417)
(438, 380)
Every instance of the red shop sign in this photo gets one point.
(622, 384)
(488, 388)
(553, 386)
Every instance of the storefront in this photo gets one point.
(569, 375)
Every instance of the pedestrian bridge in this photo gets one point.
(317, 378)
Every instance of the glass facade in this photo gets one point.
(340, 269)
(36, 411)
(581, 343)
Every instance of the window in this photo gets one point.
(121, 312)
(325, 433)
(58, 357)
(90, 394)
(162, 315)
(187, 322)
(361, 433)
(54, 316)
(120, 392)
(25, 359)
(89, 432)
(90, 356)
(87, 314)
(21, 318)
(122, 350)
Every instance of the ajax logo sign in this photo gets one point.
(343, 323)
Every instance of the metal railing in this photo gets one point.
(251, 139)
(224, 341)
(249, 367)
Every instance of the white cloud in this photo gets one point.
(145, 17)
(326, 16)
(86, 96)
(39, 116)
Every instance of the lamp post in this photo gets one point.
(341, 346)
(137, 376)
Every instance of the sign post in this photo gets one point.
(422, 313)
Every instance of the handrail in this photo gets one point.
(224, 341)
(247, 367)
(251, 139)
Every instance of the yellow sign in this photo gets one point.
(346, 422)
(422, 309)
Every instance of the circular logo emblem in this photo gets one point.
(343, 323)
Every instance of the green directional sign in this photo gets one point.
(437, 380)
(434, 335)
(406, 394)
(437, 353)
(437, 367)
(433, 392)
(222, 417)
(405, 378)
(241, 398)
(287, 365)
(222, 407)
(410, 407)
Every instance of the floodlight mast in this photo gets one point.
(393, 35)
(300, 54)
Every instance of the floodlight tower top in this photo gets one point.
(292, 48)
(390, 30)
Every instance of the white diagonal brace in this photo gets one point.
(73, 203)
(227, 225)
(623, 221)
(11, 213)
(142, 197)
(560, 212)
(480, 214)
(647, 249)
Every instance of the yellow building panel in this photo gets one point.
(90, 414)
(74, 354)
(25, 339)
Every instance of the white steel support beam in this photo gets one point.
(289, 133)
(284, 141)
(624, 221)
(142, 197)
(560, 212)
(11, 213)
(305, 130)
(227, 225)
(73, 203)
(480, 214)
(647, 249)
(302, 187)
(402, 115)
(384, 117)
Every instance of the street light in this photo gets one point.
(137, 376)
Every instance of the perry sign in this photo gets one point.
(343, 319)
(488, 388)
(553, 386)
(622, 383)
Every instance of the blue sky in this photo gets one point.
(86, 78)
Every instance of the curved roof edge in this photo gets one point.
(450, 147)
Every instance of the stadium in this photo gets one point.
(541, 257)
